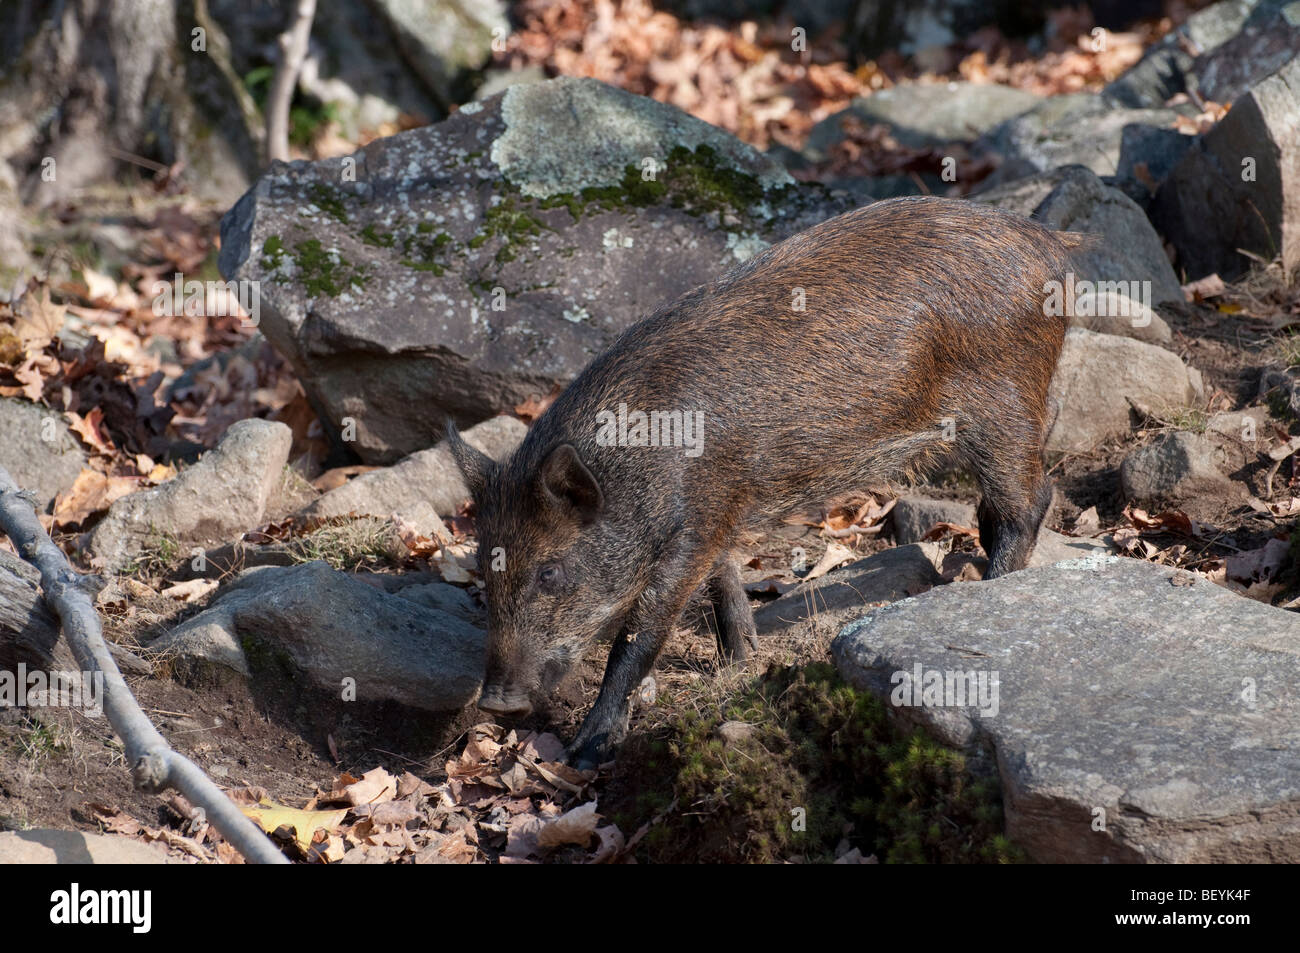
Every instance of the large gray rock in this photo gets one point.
(38, 449)
(1099, 379)
(222, 496)
(930, 115)
(914, 516)
(821, 607)
(1239, 186)
(478, 262)
(1071, 129)
(1218, 52)
(1165, 711)
(1129, 251)
(428, 477)
(1174, 465)
(442, 41)
(331, 626)
(1147, 155)
(49, 846)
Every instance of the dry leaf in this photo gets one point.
(374, 786)
(90, 493)
(1211, 286)
(190, 590)
(834, 557)
(574, 827)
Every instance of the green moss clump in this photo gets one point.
(511, 221)
(818, 749)
(272, 253)
(379, 239)
(329, 202)
(423, 254)
(321, 274)
(431, 266)
(700, 182)
(696, 181)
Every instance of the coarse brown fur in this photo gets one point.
(922, 334)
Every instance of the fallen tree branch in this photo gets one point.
(155, 767)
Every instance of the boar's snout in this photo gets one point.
(505, 703)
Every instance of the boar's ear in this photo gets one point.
(474, 465)
(565, 480)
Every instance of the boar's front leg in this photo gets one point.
(634, 652)
(737, 636)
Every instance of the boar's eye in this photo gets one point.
(550, 577)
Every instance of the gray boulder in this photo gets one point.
(466, 266)
(929, 115)
(1239, 185)
(1219, 52)
(442, 41)
(331, 626)
(1131, 716)
(222, 496)
(821, 607)
(1147, 155)
(38, 449)
(1099, 379)
(1129, 254)
(1071, 129)
(429, 477)
(1174, 465)
(914, 516)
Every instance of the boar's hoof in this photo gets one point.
(590, 756)
(593, 747)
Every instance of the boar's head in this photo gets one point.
(545, 552)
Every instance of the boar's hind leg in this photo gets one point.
(737, 636)
(1013, 505)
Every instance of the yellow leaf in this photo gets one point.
(270, 816)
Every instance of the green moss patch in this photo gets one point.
(696, 181)
(321, 274)
(328, 201)
(822, 763)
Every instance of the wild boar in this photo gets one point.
(858, 351)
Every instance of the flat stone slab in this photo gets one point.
(48, 846)
(1139, 715)
(822, 606)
